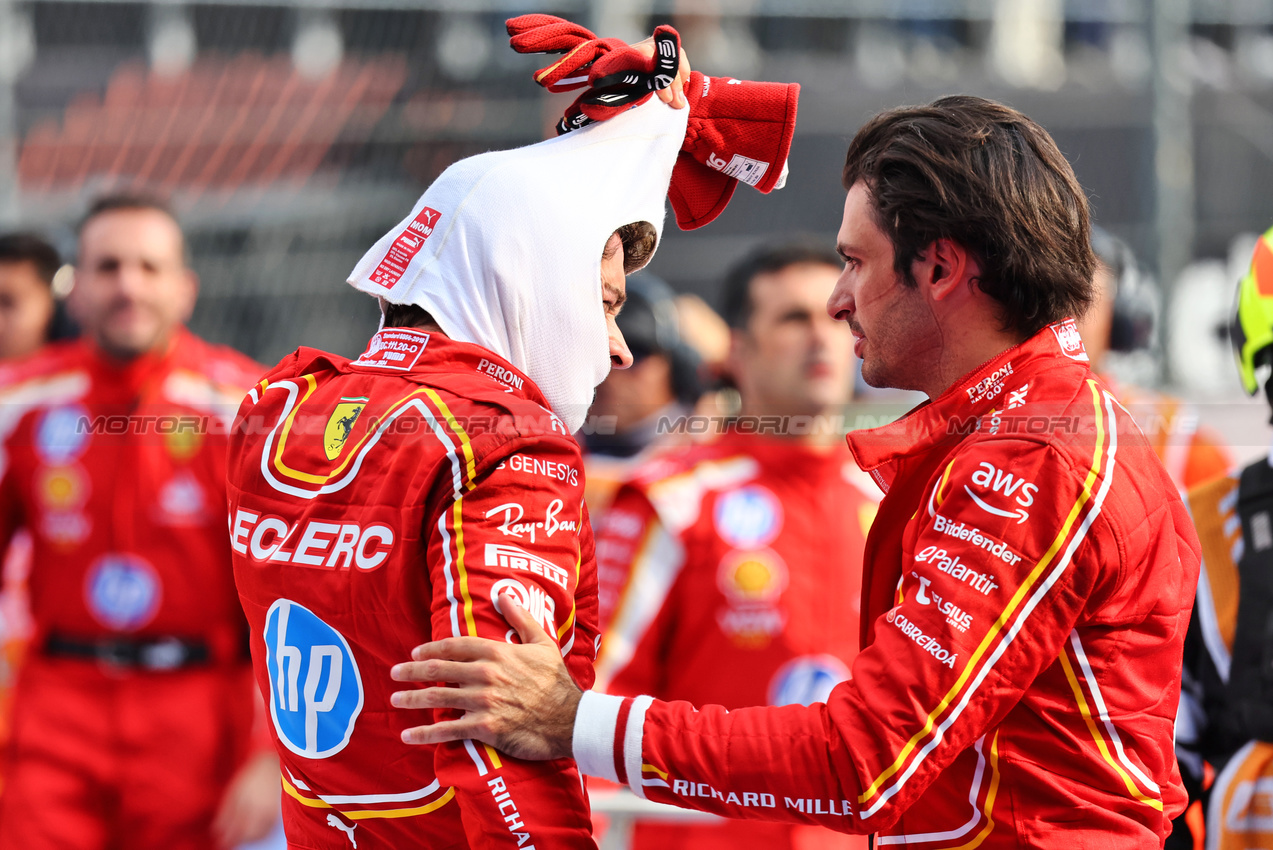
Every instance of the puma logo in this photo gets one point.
(332, 820)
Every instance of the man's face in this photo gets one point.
(26, 308)
(614, 291)
(793, 358)
(132, 287)
(897, 336)
(1098, 322)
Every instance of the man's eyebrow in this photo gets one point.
(618, 296)
(843, 251)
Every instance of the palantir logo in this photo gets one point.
(315, 689)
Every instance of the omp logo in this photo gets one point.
(316, 691)
(998, 481)
(533, 599)
(507, 557)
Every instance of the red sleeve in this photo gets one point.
(515, 526)
(931, 684)
(638, 563)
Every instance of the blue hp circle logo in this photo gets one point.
(806, 679)
(315, 689)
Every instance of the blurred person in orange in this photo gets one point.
(27, 266)
(1121, 323)
(134, 709)
(634, 409)
(730, 573)
(1225, 721)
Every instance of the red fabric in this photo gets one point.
(101, 759)
(738, 131)
(754, 604)
(92, 753)
(476, 490)
(1019, 685)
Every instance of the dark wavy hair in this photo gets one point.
(983, 175)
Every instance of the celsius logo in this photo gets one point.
(315, 690)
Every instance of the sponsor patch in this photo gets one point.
(925, 642)
(62, 435)
(981, 582)
(504, 556)
(749, 517)
(316, 691)
(962, 531)
(752, 576)
(990, 386)
(955, 616)
(405, 247)
(122, 591)
(806, 680)
(533, 599)
(394, 348)
(62, 487)
(1067, 336)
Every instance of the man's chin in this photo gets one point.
(129, 345)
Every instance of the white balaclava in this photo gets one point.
(504, 249)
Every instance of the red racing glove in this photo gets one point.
(738, 131)
(618, 76)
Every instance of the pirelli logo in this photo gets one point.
(507, 557)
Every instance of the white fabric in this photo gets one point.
(592, 745)
(513, 263)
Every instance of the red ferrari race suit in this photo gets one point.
(134, 705)
(375, 505)
(1027, 588)
(739, 566)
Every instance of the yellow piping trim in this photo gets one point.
(649, 768)
(310, 478)
(945, 479)
(490, 751)
(1021, 593)
(539, 78)
(364, 814)
(1096, 735)
(990, 797)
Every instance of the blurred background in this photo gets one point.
(290, 135)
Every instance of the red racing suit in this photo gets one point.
(375, 505)
(139, 643)
(738, 566)
(1039, 709)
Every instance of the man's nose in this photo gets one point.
(620, 356)
(840, 305)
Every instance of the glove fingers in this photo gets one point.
(667, 56)
(550, 39)
(568, 72)
(600, 106)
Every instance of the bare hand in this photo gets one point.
(675, 93)
(520, 699)
(249, 808)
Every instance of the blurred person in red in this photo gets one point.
(134, 708)
(633, 408)
(730, 573)
(1120, 327)
(27, 266)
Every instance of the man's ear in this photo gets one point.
(944, 267)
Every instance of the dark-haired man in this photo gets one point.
(134, 708)
(1028, 578)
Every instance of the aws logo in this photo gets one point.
(341, 424)
(998, 481)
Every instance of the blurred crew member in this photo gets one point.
(1027, 580)
(27, 266)
(1121, 321)
(134, 708)
(736, 567)
(631, 405)
(1226, 711)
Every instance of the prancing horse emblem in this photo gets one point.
(341, 424)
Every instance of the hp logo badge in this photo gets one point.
(315, 690)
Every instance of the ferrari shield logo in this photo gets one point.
(341, 424)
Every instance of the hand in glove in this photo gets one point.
(618, 76)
